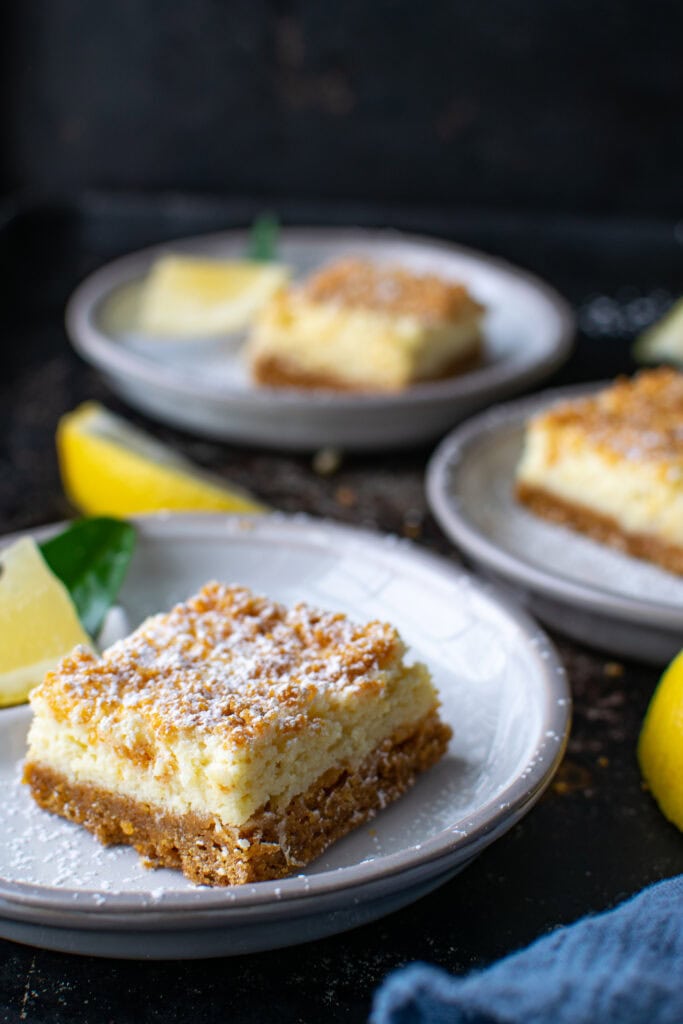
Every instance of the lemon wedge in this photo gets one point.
(660, 748)
(111, 468)
(185, 296)
(38, 621)
(663, 342)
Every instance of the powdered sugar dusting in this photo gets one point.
(226, 662)
(639, 418)
(39, 846)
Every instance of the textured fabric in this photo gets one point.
(621, 967)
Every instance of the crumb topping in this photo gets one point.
(638, 418)
(228, 662)
(360, 284)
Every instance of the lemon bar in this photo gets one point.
(361, 326)
(187, 296)
(231, 737)
(611, 466)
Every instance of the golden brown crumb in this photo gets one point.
(612, 669)
(390, 289)
(226, 661)
(346, 497)
(639, 418)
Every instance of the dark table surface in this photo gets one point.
(594, 838)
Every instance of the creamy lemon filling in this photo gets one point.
(207, 775)
(642, 497)
(360, 346)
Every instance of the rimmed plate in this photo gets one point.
(203, 386)
(591, 592)
(503, 690)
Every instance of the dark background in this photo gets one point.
(562, 105)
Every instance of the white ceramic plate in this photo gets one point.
(203, 385)
(598, 595)
(503, 691)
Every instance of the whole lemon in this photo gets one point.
(660, 748)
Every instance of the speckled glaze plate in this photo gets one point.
(503, 691)
(600, 596)
(202, 385)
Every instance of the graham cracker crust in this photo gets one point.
(273, 372)
(272, 843)
(600, 527)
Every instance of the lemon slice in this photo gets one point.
(111, 468)
(185, 296)
(38, 621)
(660, 749)
(663, 342)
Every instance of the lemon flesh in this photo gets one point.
(660, 748)
(663, 342)
(38, 621)
(187, 296)
(111, 468)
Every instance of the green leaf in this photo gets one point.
(263, 238)
(91, 558)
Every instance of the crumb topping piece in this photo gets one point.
(229, 662)
(637, 418)
(360, 284)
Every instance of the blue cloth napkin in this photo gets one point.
(621, 967)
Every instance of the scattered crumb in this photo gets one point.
(346, 497)
(572, 778)
(412, 524)
(327, 461)
(613, 669)
(603, 761)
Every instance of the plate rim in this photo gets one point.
(478, 829)
(456, 448)
(99, 349)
